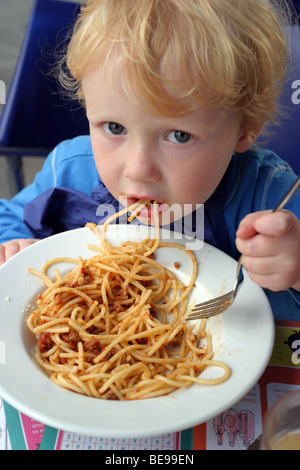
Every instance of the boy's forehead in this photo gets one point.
(109, 96)
(106, 71)
(112, 68)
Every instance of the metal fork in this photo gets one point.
(219, 304)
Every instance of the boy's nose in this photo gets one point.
(142, 165)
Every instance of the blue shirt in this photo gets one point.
(256, 181)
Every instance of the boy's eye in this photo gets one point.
(179, 137)
(113, 128)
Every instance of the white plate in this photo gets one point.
(243, 338)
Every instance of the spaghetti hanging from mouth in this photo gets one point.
(114, 327)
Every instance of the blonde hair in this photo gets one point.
(229, 54)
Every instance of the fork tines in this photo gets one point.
(211, 307)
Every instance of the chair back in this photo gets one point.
(36, 117)
(286, 141)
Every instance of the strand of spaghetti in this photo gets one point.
(58, 330)
(125, 274)
(57, 274)
(174, 383)
(97, 374)
(80, 355)
(135, 308)
(54, 359)
(93, 389)
(179, 330)
(153, 332)
(119, 214)
(209, 344)
(115, 216)
(67, 308)
(117, 340)
(213, 381)
(194, 269)
(155, 360)
(46, 365)
(45, 278)
(116, 392)
(63, 344)
(138, 209)
(51, 351)
(47, 325)
(157, 236)
(62, 381)
(150, 392)
(68, 355)
(135, 268)
(122, 373)
(191, 343)
(164, 339)
(95, 319)
(57, 260)
(70, 290)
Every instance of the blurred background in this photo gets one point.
(14, 16)
(13, 20)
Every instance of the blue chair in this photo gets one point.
(296, 7)
(36, 117)
(286, 139)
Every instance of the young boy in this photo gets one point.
(176, 93)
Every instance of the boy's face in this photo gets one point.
(176, 161)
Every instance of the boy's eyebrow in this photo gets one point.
(98, 116)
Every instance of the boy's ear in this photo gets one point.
(247, 139)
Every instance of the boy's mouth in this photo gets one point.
(147, 211)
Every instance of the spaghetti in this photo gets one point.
(114, 326)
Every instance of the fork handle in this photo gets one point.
(288, 195)
(238, 274)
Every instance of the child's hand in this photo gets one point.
(9, 249)
(270, 245)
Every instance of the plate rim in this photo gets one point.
(130, 433)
